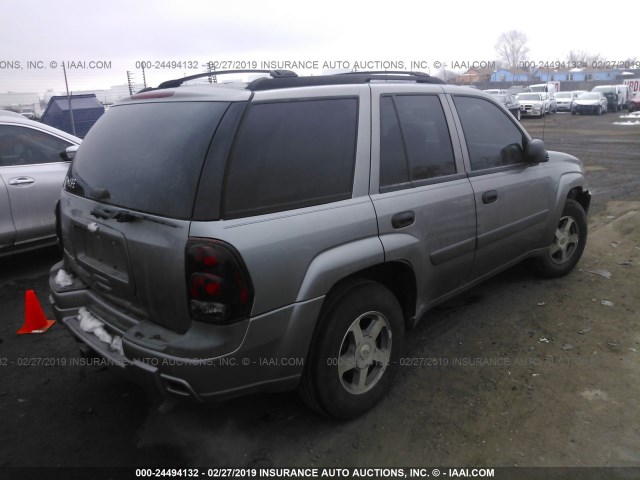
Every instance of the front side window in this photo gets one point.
(28, 146)
(291, 155)
(414, 141)
(493, 140)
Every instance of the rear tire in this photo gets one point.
(355, 350)
(568, 243)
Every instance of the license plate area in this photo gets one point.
(101, 252)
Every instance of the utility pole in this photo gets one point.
(73, 123)
(144, 78)
(129, 80)
(212, 78)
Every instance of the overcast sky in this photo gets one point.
(122, 32)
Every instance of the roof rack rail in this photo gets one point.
(348, 78)
(179, 81)
(387, 72)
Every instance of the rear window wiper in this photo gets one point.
(126, 216)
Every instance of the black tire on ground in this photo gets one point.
(568, 243)
(599, 111)
(355, 350)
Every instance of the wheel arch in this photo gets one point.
(397, 276)
(582, 196)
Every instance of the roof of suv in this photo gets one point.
(277, 80)
(286, 78)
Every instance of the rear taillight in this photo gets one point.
(218, 285)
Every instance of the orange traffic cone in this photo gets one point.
(35, 320)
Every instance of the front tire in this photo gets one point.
(568, 243)
(355, 350)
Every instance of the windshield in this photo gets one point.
(589, 96)
(563, 95)
(146, 157)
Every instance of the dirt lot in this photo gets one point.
(517, 372)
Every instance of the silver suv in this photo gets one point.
(285, 233)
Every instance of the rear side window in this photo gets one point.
(292, 155)
(147, 157)
(414, 141)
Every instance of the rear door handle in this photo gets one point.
(21, 180)
(490, 196)
(403, 219)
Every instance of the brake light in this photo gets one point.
(152, 94)
(218, 284)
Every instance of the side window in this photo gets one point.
(493, 140)
(292, 155)
(27, 146)
(414, 141)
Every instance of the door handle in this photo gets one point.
(21, 180)
(490, 196)
(403, 219)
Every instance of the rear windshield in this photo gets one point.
(146, 157)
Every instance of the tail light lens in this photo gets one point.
(218, 284)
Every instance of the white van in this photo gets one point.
(549, 87)
(621, 98)
(625, 92)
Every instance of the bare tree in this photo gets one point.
(512, 48)
(580, 57)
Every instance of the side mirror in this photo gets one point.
(69, 153)
(536, 152)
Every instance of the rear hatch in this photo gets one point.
(128, 202)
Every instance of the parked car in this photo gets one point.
(28, 113)
(510, 103)
(496, 91)
(634, 103)
(516, 89)
(550, 105)
(564, 100)
(590, 102)
(532, 104)
(31, 175)
(616, 95)
(293, 229)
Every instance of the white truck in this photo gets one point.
(634, 87)
(549, 87)
(617, 96)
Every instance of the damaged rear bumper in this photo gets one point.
(208, 362)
